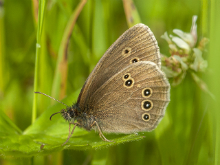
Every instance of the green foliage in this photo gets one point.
(189, 132)
(45, 136)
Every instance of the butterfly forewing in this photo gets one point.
(136, 44)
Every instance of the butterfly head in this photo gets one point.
(69, 114)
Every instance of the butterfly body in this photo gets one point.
(83, 118)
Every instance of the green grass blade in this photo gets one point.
(2, 51)
(7, 126)
(131, 13)
(99, 43)
(214, 79)
(41, 11)
(60, 78)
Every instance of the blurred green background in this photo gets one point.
(189, 132)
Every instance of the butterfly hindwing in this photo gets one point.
(123, 102)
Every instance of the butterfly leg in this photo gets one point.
(70, 133)
(100, 133)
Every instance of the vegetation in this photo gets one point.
(52, 47)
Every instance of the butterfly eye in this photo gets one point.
(147, 105)
(126, 51)
(134, 60)
(129, 83)
(146, 117)
(147, 92)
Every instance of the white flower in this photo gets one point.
(194, 30)
(187, 37)
(183, 65)
(181, 44)
(166, 37)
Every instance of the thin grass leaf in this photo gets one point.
(99, 43)
(131, 13)
(2, 52)
(7, 126)
(214, 79)
(81, 43)
(59, 84)
(35, 10)
(41, 11)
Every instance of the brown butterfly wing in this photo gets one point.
(136, 44)
(123, 107)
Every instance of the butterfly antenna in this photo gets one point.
(52, 98)
(54, 114)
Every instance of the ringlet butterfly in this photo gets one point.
(126, 92)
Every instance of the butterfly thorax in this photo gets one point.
(73, 113)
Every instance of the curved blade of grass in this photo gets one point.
(59, 83)
(81, 44)
(7, 126)
(131, 13)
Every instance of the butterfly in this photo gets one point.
(126, 92)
